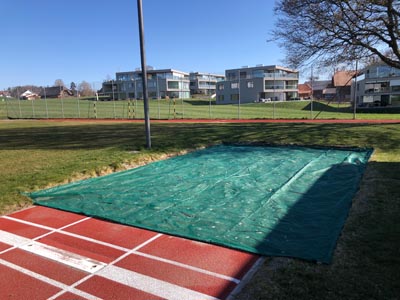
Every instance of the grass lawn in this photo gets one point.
(188, 108)
(366, 263)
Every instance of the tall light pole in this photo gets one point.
(355, 91)
(144, 74)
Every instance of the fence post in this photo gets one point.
(79, 107)
(174, 109)
(158, 102)
(62, 107)
(135, 108)
(33, 109)
(5, 99)
(19, 105)
(273, 110)
(45, 102)
(95, 109)
(183, 109)
(114, 109)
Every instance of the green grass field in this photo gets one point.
(191, 109)
(38, 154)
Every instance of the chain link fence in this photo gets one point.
(98, 108)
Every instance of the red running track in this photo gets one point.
(51, 254)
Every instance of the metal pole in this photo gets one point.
(181, 94)
(144, 74)
(355, 92)
(19, 104)
(45, 101)
(33, 108)
(210, 94)
(239, 96)
(5, 99)
(112, 88)
(311, 101)
(158, 96)
(79, 107)
(62, 104)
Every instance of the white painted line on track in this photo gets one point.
(12, 239)
(43, 226)
(134, 251)
(65, 257)
(61, 256)
(151, 285)
(199, 270)
(62, 286)
(81, 237)
(115, 261)
(247, 277)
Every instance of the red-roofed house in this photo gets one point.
(342, 81)
(305, 91)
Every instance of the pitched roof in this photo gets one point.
(343, 78)
(55, 91)
(304, 88)
(319, 85)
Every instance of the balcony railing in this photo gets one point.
(377, 90)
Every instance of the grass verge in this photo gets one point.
(34, 155)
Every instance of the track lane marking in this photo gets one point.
(65, 288)
(135, 250)
(61, 256)
(151, 285)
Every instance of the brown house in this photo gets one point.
(57, 92)
(342, 81)
(305, 91)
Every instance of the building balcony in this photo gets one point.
(377, 90)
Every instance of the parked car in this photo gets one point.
(263, 100)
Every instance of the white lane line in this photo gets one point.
(65, 257)
(51, 230)
(13, 239)
(115, 261)
(47, 280)
(175, 263)
(134, 251)
(150, 240)
(151, 285)
(44, 226)
(61, 256)
(246, 278)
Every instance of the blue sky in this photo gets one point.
(45, 40)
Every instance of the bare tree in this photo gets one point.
(337, 31)
(59, 82)
(85, 89)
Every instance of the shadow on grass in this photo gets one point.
(339, 108)
(323, 107)
(367, 260)
(170, 137)
(204, 102)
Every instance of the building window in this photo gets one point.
(234, 85)
(234, 97)
(173, 85)
(221, 87)
(221, 98)
(231, 76)
(250, 84)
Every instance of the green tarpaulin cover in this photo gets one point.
(282, 201)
